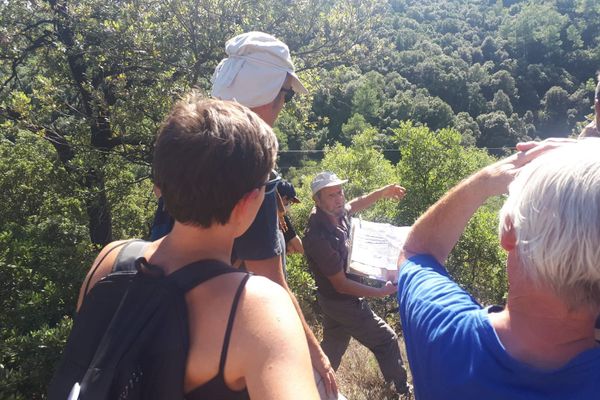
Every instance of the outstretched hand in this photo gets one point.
(393, 191)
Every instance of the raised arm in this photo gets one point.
(277, 363)
(437, 231)
(387, 192)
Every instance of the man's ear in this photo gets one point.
(317, 199)
(508, 237)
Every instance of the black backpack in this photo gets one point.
(130, 337)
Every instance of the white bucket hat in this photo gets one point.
(325, 179)
(255, 70)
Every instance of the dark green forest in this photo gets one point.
(421, 93)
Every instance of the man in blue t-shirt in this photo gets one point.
(541, 345)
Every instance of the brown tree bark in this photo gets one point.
(97, 115)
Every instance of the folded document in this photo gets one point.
(374, 249)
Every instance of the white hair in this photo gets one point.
(554, 208)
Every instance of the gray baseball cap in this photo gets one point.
(325, 179)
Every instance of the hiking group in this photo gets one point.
(173, 318)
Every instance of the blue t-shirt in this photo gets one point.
(454, 352)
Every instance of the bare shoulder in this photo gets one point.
(267, 312)
(263, 293)
(101, 267)
(276, 362)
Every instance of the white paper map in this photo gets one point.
(374, 249)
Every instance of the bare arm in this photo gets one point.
(437, 231)
(277, 365)
(387, 192)
(272, 269)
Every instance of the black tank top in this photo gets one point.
(216, 388)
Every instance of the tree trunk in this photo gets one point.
(97, 116)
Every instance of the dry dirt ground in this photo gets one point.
(359, 377)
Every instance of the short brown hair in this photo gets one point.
(208, 154)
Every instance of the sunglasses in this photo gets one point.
(271, 184)
(289, 94)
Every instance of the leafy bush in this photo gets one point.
(303, 285)
(28, 361)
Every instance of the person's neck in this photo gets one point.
(537, 328)
(334, 219)
(186, 244)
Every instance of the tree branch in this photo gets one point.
(37, 43)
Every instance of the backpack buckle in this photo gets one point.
(144, 267)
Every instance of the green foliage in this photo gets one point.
(355, 126)
(45, 251)
(333, 100)
(503, 80)
(534, 32)
(431, 164)
(502, 103)
(368, 96)
(28, 361)
(554, 115)
(482, 58)
(496, 131)
(468, 128)
(432, 111)
(477, 262)
(129, 192)
(303, 285)
(84, 88)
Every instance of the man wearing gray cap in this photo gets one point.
(340, 295)
(258, 73)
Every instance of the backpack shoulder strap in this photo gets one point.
(95, 267)
(128, 255)
(193, 274)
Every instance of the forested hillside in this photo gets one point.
(418, 92)
(496, 72)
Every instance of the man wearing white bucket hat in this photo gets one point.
(340, 295)
(255, 71)
(258, 73)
